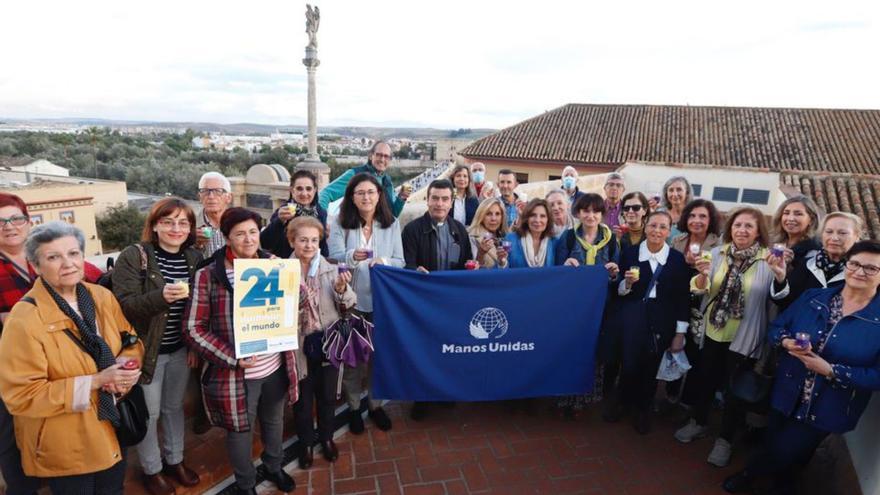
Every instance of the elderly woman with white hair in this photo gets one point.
(66, 351)
(560, 211)
(677, 193)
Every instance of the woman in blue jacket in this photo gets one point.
(464, 201)
(654, 309)
(531, 242)
(822, 385)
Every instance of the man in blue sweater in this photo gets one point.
(377, 164)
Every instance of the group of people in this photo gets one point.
(798, 295)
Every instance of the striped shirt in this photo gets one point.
(173, 267)
(266, 364)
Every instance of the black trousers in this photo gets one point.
(788, 444)
(641, 352)
(107, 482)
(17, 482)
(717, 365)
(316, 391)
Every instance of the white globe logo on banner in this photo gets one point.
(488, 321)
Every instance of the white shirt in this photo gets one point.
(655, 260)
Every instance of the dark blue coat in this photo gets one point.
(471, 204)
(274, 237)
(852, 348)
(653, 330)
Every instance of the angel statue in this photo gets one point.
(313, 20)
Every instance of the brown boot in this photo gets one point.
(158, 484)
(182, 474)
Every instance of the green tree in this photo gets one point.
(120, 226)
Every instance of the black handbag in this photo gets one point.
(750, 385)
(132, 407)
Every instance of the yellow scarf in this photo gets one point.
(590, 250)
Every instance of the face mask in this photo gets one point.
(568, 182)
(479, 176)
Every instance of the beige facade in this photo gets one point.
(105, 193)
(448, 149)
(79, 211)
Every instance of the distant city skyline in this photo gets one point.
(451, 64)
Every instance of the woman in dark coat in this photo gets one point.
(823, 382)
(304, 199)
(653, 312)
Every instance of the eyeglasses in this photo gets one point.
(15, 221)
(382, 155)
(366, 194)
(212, 191)
(632, 207)
(870, 270)
(170, 224)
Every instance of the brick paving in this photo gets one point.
(487, 448)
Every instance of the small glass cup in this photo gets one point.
(470, 265)
(778, 250)
(183, 283)
(291, 207)
(636, 271)
(342, 268)
(695, 249)
(406, 189)
(802, 340)
(368, 252)
(624, 229)
(131, 364)
(506, 246)
(208, 232)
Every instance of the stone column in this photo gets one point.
(313, 161)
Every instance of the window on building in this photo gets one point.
(554, 177)
(37, 219)
(67, 216)
(698, 190)
(522, 178)
(727, 194)
(756, 196)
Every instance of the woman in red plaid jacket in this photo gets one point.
(235, 390)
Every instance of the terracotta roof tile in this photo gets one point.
(857, 194)
(780, 139)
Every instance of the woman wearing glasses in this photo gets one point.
(633, 212)
(829, 367)
(820, 268)
(303, 202)
(16, 278)
(365, 234)
(151, 281)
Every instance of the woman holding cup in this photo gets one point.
(364, 234)
(823, 384)
(653, 313)
(819, 268)
(324, 293)
(303, 202)
(794, 227)
(487, 234)
(151, 282)
(734, 283)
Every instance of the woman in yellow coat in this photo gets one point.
(61, 397)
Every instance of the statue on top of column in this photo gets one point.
(313, 20)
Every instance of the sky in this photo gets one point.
(428, 63)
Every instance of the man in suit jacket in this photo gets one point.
(436, 241)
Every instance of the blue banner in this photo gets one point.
(485, 334)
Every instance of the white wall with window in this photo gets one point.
(727, 187)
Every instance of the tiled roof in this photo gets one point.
(821, 140)
(842, 192)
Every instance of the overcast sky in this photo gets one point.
(449, 63)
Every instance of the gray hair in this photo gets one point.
(688, 190)
(613, 176)
(557, 191)
(215, 175)
(48, 232)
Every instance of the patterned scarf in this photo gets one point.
(829, 267)
(730, 301)
(94, 344)
(591, 250)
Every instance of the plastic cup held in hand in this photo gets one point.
(802, 340)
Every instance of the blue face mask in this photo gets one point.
(479, 176)
(568, 182)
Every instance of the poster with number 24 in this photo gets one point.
(266, 306)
